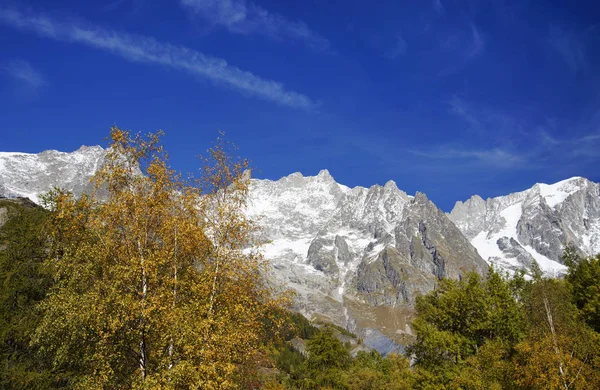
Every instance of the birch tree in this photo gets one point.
(560, 351)
(153, 285)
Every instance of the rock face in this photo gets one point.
(349, 251)
(515, 230)
(360, 256)
(32, 175)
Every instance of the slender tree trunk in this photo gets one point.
(172, 341)
(563, 375)
(143, 347)
(214, 287)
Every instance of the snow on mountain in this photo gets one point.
(305, 219)
(348, 252)
(31, 175)
(360, 256)
(556, 193)
(514, 230)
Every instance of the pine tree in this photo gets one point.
(328, 360)
(466, 330)
(584, 283)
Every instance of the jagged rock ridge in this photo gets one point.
(515, 230)
(31, 175)
(357, 256)
(349, 251)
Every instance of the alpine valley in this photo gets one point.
(359, 257)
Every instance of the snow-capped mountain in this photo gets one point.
(514, 230)
(359, 256)
(31, 175)
(355, 256)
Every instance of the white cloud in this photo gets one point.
(23, 72)
(496, 157)
(586, 146)
(245, 17)
(522, 139)
(133, 5)
(569, 48)
(489, 122)
(399, 48)
(438, 6)
(459, 107)
(149, 50)
(548, 139)
(478, 42)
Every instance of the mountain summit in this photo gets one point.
(31, 175)
(360, 256)
(514, 230)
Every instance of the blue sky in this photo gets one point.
(446, 97)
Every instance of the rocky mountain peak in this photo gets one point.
(421, 198)
(514, 230)
(343, 248)
(391, 186)
(354, 253)
(325, 175)
(31, 175)
(555, 194)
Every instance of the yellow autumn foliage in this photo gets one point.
(154, 286)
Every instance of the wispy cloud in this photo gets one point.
(490, 123)
(24, 73)
(399, 48)
(134, 5)
(459, 47)
(459, 107)
(547, 138)
(496, 157)
(594, 137)
(438, 6)
(246, 17)
(143, 49)
(569, 47)
(478, 44)
(586, 146)
(519, 139)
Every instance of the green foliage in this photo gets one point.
(489, 368)
(337, 328)
(22, 286)
(299, 326)
(570, 256)
(460, 316)
(560, 350)
(584, 282)
(461, 323)
(289, 360)
(372, 371)
(327, 351)
(505, 317)
(476, 333)
(329, 365)
(326, 364)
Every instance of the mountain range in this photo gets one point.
(359, 257)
